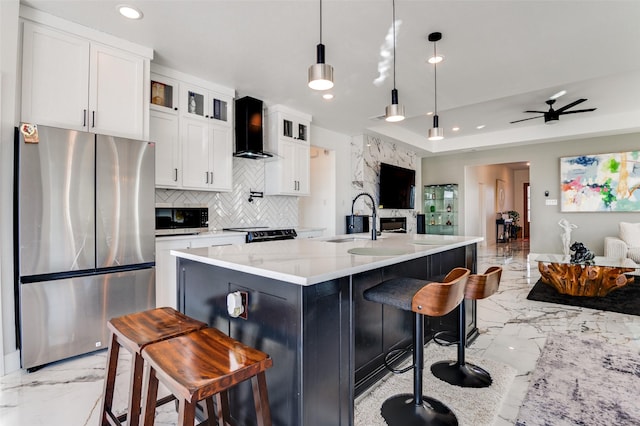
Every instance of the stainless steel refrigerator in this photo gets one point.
(85, 246)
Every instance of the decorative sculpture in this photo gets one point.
(581, 254)
(566, 234)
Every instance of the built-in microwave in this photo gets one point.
(173, 220)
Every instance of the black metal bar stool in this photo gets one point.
(134, 332)
(459, 372)
(423, 298)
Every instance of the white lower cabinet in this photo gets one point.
(166, 272)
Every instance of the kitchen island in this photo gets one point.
(305, 308)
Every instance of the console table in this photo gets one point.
(598, 278)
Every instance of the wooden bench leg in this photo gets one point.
(186, 413)
(150, 395)
(110, 380)
(135, 390)
(261, 399)
(222, 413)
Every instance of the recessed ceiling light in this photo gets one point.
(129, 11)
(557, 95)
(436, 59)
(480, 127)
(328, 96)
(455, 129)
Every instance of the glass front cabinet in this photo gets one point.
(441, 209)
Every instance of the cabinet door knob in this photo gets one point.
(175, 108)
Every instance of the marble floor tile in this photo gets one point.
(512, 329)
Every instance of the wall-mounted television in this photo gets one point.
(397, 187)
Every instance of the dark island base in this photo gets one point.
(326, 341)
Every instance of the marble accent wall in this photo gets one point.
(367, 152)
(232, 209)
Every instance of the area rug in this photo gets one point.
(580, 381)
(625, 300)
(472, 407)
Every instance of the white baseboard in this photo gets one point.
(11, 362)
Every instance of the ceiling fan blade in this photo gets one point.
(578, 110)
(538, 112)
(572, 104)
(525, 119)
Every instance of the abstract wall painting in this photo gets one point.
(600, 183)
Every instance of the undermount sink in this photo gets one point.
(346, 240)
(377, 251)
(427, 243)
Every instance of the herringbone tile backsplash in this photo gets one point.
(232, 209)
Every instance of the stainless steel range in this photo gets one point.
(258, 234)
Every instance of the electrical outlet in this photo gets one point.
(245, 305)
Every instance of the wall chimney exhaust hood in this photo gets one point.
(249, 129)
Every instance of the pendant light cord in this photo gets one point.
(394, 43)
(435, 80)
(320, 21)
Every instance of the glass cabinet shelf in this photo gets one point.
(441, 209)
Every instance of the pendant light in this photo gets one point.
(436, 133)
(394, 111)
(320, 74)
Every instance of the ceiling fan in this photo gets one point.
(552, 116)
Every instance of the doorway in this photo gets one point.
(526, 210)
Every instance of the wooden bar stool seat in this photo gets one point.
(203, 365)
(433, 299)
(459, 372)
(134, 332)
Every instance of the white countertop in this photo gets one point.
(311, 261)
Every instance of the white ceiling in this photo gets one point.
(501, 58)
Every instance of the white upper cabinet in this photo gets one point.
(206, 155)
(197, 102)
(165, 94)
(116, 92)
(163, 130)
(288, 136)
(71, 82)
(190, 122)
(55, 78)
